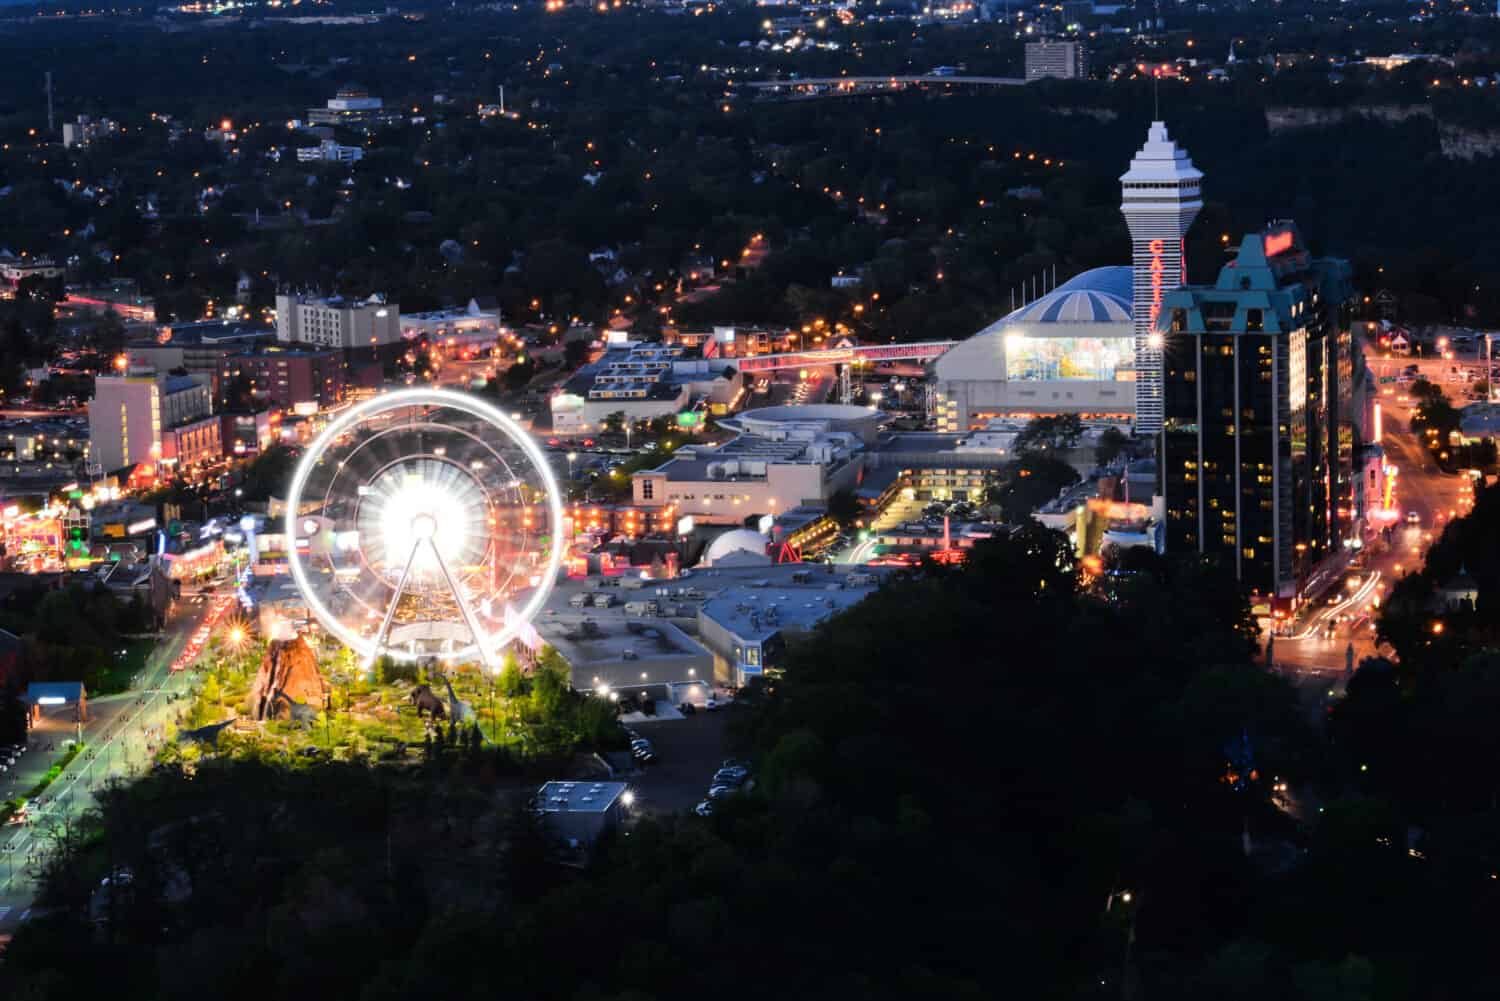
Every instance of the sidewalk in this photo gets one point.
(37, 759)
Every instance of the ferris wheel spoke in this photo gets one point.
(390, 611)
(481, 640)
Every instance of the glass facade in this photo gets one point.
(1099, 359)
(1258, 434)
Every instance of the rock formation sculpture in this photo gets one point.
(288, 673)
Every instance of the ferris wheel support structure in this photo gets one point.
(476, 630)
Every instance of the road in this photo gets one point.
(12, 413)
(117, 737)
(1421, 488)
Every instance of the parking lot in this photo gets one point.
(688, 752)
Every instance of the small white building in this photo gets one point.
(354, 107)
(581, 812)
(329, 151)
(84, 130)
(467, 327)
(14, 270)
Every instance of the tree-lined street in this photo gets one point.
(118, 740)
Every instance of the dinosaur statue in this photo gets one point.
(423, 698)
(460, 711)
(303, 714)
(208, 735)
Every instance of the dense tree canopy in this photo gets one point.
(946, 206)
(954, 778)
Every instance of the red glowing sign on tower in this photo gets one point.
(1157, 268)
(1276, 243)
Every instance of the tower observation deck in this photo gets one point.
(1161, 196)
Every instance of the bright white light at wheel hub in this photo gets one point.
(428, 504)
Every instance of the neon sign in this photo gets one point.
(1277, 243)
(1157, 268)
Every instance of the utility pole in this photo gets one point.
(50, 126)
(502, 100)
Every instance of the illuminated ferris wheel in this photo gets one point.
(424, 522)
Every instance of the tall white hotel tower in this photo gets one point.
(1162, 193)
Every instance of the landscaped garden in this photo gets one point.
(394, 712)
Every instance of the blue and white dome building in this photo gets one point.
(1071, 351)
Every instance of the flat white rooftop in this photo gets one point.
(578, 797)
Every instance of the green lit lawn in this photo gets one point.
(372, 720)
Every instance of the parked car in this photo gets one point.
(729, 777)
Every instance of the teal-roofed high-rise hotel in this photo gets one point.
(1260, 425)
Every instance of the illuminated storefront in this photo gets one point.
(1100, 359)
(203, 561)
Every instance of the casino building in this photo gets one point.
(1086, 347)
(1262, 400)
(1070, 351)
